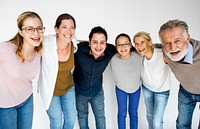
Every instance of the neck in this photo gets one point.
(28, 52)
(150, 53)
(63, 45)
(124, 57)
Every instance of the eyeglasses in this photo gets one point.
(123, 45)
(31, 29)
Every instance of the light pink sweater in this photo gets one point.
(15, 77)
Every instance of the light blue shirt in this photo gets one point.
(188, 57)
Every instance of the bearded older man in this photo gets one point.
(183, 56)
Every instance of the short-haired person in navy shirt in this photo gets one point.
(91, 59)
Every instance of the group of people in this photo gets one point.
(70, 74)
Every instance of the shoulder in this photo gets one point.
(75, 42)
(4, 46)
(135, 53)
(111, 48)
(158, 50)
(109, 45)
(158, 53)
(83, 44)
(137, 56)
(195, 43)
(115, 57)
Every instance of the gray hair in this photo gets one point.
(173, 24)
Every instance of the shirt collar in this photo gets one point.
(189, 56)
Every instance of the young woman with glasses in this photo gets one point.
(19, 64)
(126, 67)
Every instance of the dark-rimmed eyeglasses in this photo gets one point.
(31, 29)
(123, 45)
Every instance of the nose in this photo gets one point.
(123, 45)
(98, 45)
(138, 46)
(173, 46)
(68, 30)
(36, 32)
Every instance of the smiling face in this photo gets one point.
(97, 44)
(31, 39)
(142, 45)
(175, 43)
(123, 46)
(66, 31)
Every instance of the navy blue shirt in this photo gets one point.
(88, 72)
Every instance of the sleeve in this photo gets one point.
(111, 48)
(75, 41)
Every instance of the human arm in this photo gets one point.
(112, 49)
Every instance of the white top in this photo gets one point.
(15, 77)
(49, 69)
(127, 72)
(156, 75)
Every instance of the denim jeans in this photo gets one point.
(186, 104)
(18, 117)
(122, 99)
(155, 107)
(62, 111)
(97, 104)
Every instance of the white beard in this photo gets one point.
(178, 57)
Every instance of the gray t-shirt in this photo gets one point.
(127, 72)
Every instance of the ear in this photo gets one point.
(188, 38)
(56, 30)
(89, 43)
(150, 43)
(20, 32)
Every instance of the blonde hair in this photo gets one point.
(18, 39)
(143, 34)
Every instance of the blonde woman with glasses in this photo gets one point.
(19, 64)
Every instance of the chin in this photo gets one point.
(177, 57)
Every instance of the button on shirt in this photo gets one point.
(88, 71)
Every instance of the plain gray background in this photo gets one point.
(116, 16)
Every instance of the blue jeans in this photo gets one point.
(18, 117)
(155, 107)
(186, 104)
(62, 111)
(97, 104)
(122, 98)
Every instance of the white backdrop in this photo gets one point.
(116, 16)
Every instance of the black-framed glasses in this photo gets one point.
(123, 45)
(31, 29)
